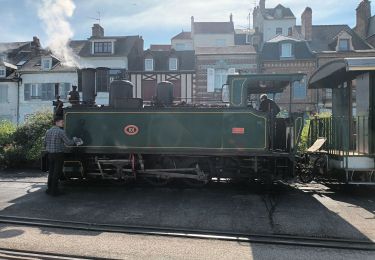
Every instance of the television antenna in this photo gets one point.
(96, 18)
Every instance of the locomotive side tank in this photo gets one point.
(169, 131)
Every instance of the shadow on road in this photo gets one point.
(217, 207)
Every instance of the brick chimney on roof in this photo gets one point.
(97, 31)
(192, 25)
(363, 15)
(35, 46)
(306, 24)
(262, 5)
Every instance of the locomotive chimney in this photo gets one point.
(88, 85)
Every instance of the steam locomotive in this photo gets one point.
(165, 140)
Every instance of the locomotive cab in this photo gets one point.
(245, 90)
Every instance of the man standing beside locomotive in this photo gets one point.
(268, 106)
(54, 144)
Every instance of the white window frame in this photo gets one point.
(297, 86)
(286, 53)
(339, 45)
(173, 64)
(103, 41)
(220, 78)
(34, 91)
(149, 64)
(3, 72)
(44, 62)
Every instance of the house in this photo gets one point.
(270, 22)
(44, 77)
(13, 55)
(214, 64)
(285, 54)
(216, 55)
(183, 41)
(165, 64)
(331, 42)
(117, 54)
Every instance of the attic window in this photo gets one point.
(46, 63)
(286, 50)
(278, 13)
(102, 47)
(344, 45)
(172, 63)
(279, 30)
(149, 64)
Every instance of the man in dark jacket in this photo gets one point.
(54, 143)
(268, 106)
(74, 96)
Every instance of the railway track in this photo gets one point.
(287, 240)
(11, 254)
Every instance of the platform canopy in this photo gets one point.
(336, 72)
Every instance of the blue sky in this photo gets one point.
(156, 21)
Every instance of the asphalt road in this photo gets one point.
(305, 210)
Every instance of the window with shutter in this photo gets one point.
(3, 94)
(27, 92)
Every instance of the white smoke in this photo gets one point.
(55, 15)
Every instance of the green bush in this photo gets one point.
(23, 145)
(6, 132)
(304, 140)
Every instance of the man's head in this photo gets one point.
(74, 88)
(59, 121)
(263, 97)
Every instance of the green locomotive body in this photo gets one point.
(169, 130)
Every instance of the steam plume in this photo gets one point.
(55, 14)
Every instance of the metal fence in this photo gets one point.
(345, 135)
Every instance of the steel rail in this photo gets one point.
(8, 253)
(277, 239)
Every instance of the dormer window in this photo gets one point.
(172, 63)
(149, 64)
(103, 47)
(46, 63)
(286, 50)
(344, 45)
(343, 42)
(278, 13)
